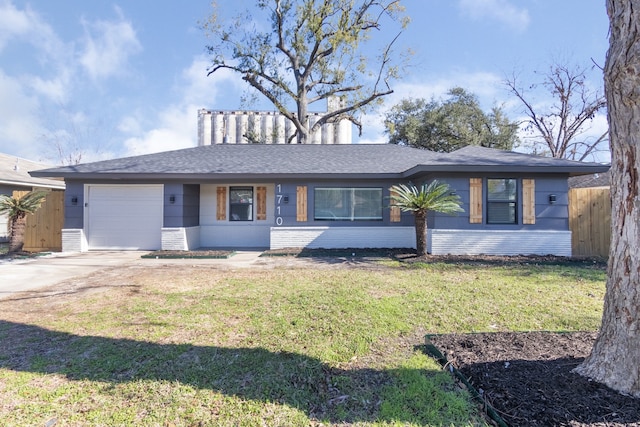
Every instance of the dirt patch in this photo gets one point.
(528, 378)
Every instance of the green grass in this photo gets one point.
(288, 347)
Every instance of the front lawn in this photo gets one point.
(331, 345)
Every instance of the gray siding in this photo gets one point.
(287, 204)
(548, 216)
(74, 212)
(184, 211)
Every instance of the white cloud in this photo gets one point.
(19, 125)
(14, 22)
(176, 126)
(500, 10)
(55, 89)
(108, 46)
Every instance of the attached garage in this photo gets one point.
(121, 217)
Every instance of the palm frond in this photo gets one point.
(18, 206)
(435, 196)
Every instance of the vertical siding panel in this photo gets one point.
(221, 204)
(261, 196)
(475, 200)
(528, 201)
(395, 211)
(301, 203)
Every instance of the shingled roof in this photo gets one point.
(252, 161)
(14, 171)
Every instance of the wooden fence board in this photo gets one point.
(590, 221)
(44, 228)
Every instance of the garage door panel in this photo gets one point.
(125, 216)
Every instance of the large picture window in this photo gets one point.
(348, 204)
(502, 201)
(241, 203)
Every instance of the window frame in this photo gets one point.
(354, 218)
(502, 201)
(233, 204)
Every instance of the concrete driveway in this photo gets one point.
(23, 275)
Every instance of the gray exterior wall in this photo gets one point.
(287, 209)
(548, 216)
(74, 212)
(184, 211)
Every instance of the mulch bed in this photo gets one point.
(196, 254)
(527, 378)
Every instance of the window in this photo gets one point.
(241, 203)
(502, 200)
(348, 204)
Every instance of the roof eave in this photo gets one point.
(59, 186)
(235, 177)
(570, 170)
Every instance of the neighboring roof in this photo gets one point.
(14, 171)
(593, 180)
(251, 161)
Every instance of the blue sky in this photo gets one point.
(126, 78)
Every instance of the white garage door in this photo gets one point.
(124, 216)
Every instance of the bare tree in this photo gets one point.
(72, 137)
(615, 357)
(560, 129)
(311, 51)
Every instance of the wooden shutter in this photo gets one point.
(261, 200)
(301, 203)
(221, 205)
(528, 201)
(395, 211)
(475, 200)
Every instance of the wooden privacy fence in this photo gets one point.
(44, 228)
(590, 221)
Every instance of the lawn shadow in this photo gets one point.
(322, 392)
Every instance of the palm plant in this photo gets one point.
(435, 196)
(17, 209)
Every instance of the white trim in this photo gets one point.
(342, 237)
(499, 242)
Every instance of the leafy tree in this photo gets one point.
(17, 209)
(615, 357)
(311, 51)
(449, 124)
(435, 196)
(558, 130)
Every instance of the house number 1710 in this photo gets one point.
(279, 197)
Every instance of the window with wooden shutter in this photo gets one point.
(475, 200)
(301, 203)
(528, 201)
(261, 200)
(395, 211)
(221, 204)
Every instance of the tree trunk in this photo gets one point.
(615, 357)
(16, 237)
(421, 232)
